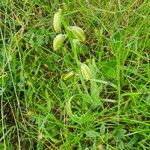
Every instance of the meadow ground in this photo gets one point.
(41, 109)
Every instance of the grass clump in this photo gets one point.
(46, 102)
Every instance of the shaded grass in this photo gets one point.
(41, 111)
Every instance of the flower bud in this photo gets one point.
(58, 41)
(30, 113)
(57, 21)
(85, 71)
(78, 33)
(68, 75)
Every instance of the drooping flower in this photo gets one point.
(58, 41)
(78, 33)
(85, 71)
(57, 21)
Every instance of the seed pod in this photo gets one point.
(85, 71)
(78, 33)
(68, 75)
(57, 21)
(58, 41)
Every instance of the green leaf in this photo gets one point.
(92, 134)
(102, 128)
(109, 69)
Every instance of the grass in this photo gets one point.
(39, 110)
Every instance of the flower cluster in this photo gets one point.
(58, 41)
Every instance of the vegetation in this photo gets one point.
(92, 94)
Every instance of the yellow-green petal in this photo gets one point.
(58, 41)
(78, 33)
(68, 75)
(57, 21)
(85, 71)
